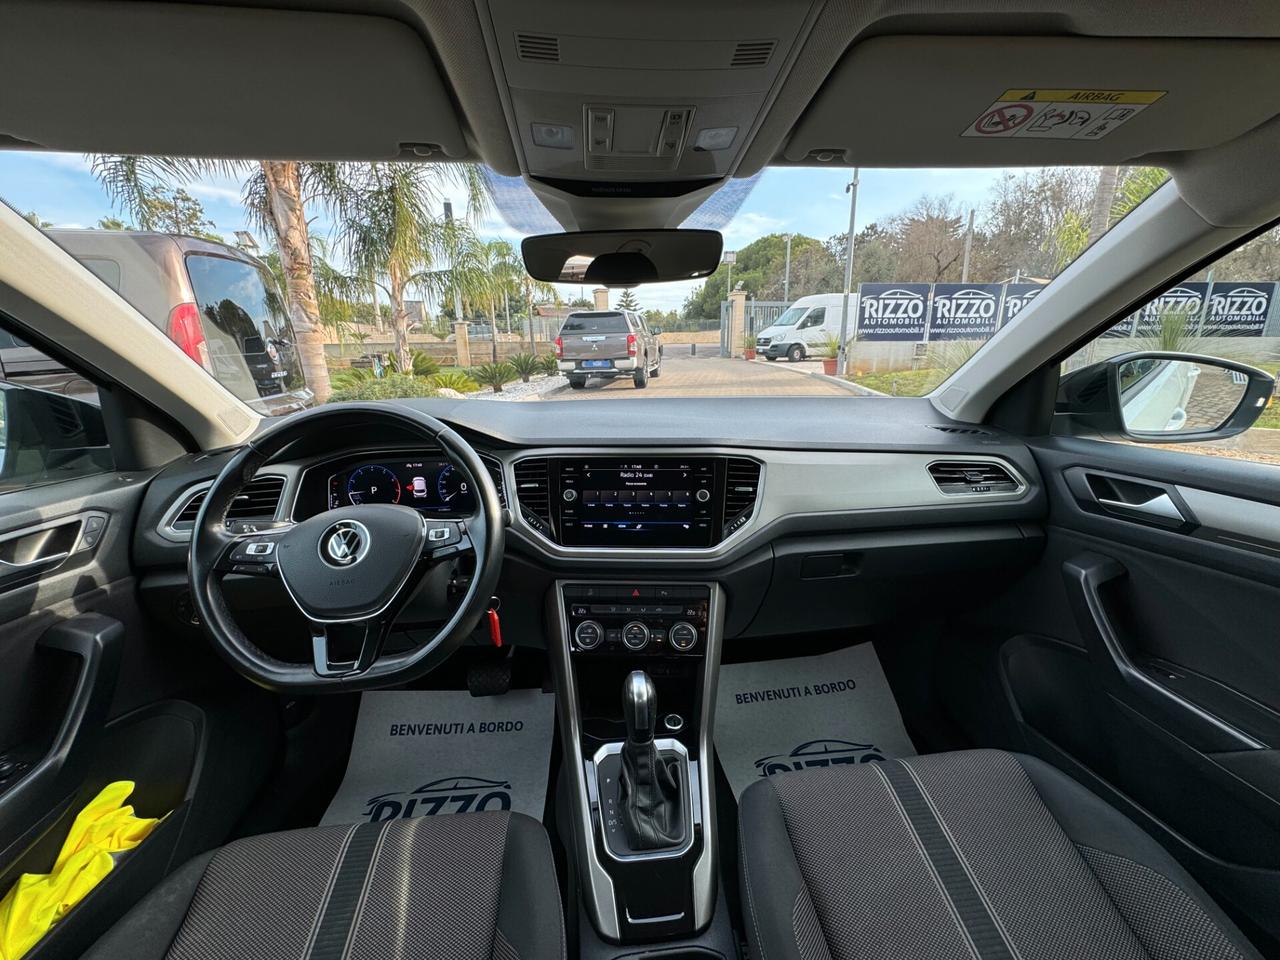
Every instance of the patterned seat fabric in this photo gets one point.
(467, 887)
(974, 855)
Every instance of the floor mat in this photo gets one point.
(776, 716)
(431, 752)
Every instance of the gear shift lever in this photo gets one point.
(639, 707)
(652, 805)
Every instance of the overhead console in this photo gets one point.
(595, 93)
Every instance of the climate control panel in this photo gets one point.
(649, 619)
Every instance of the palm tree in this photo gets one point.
(385, 228)
(274, 196)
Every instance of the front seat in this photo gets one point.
(479, 886)
(962, 856)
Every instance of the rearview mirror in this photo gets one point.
(622, 258)
(1161, 398)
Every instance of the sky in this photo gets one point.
(810, 201)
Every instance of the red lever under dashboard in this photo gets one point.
(495, 629)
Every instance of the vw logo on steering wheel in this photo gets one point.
(345, 543)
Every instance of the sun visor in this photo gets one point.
(195, 80)
(1026, 101)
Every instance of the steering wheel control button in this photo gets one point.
(635, 636)
(588, 635)
(345, 543)
(683, 636)
(260, 548)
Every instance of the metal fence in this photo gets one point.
(759, 314)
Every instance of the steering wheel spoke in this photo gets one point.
(365, 635)
(445, 539)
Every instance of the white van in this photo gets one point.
(803, 329)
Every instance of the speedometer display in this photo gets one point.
(432, 486)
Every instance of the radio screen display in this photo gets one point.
(638, 503)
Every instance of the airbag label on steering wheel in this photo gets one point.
(431, 753)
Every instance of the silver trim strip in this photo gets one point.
(693, 806)
(598, 889)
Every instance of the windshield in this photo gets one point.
(789, 317)
(297, 283)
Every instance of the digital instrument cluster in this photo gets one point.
(432, 485)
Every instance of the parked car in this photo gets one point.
(608, 344)
(804, 327)
(218, 303)
(24, 365)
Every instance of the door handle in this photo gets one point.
(1160, 507)
(26, 566)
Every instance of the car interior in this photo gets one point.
(986, 673)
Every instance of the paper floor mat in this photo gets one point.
(776, 716)
(431, 753)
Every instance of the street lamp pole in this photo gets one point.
(968, 246)
(842, 358)
(786, 275)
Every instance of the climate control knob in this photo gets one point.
(635, 636)
(683, 636)
(588, 635)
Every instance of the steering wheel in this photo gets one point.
(349, 571)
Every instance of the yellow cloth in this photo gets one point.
(39, 900)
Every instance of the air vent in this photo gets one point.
(741, 487)
(541, 49)
(752, 53)
(964, 431)
(533, 493)
(257, 501)
(969, 477)
(495, 471)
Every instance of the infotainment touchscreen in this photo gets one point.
(637, 503)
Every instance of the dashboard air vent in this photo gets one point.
(533, 493)
(257, 501)
(971, 477)
(952, 428)
(741, 486)
(495, 471)
(542, 49)
(752, 53)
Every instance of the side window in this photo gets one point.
(1229, 310)
(51, 427)
(815, 318)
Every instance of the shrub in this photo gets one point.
(548, 364)
(494, 375)
(393, 386)
(525, 364)
(423, 364)
(454, 380)
(350, 377)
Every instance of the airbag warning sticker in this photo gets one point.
(1060, 114)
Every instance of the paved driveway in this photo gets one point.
(711, 377)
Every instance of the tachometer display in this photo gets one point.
(373, 483)
(452, 487)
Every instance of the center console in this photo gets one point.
(636, 667)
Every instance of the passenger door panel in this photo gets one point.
(1148, 663)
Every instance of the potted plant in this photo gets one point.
(829, 350)
(748, 346)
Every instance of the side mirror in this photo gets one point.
(656, 331)
(1161, 398)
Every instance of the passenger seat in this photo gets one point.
(974, 855)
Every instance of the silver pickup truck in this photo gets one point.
(608, 344)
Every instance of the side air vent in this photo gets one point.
(533, 493)
(257, 501)
(541, 49)
(752, 53)
(495, 471)
(741, 487)
(965, 431)
(969, 477)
